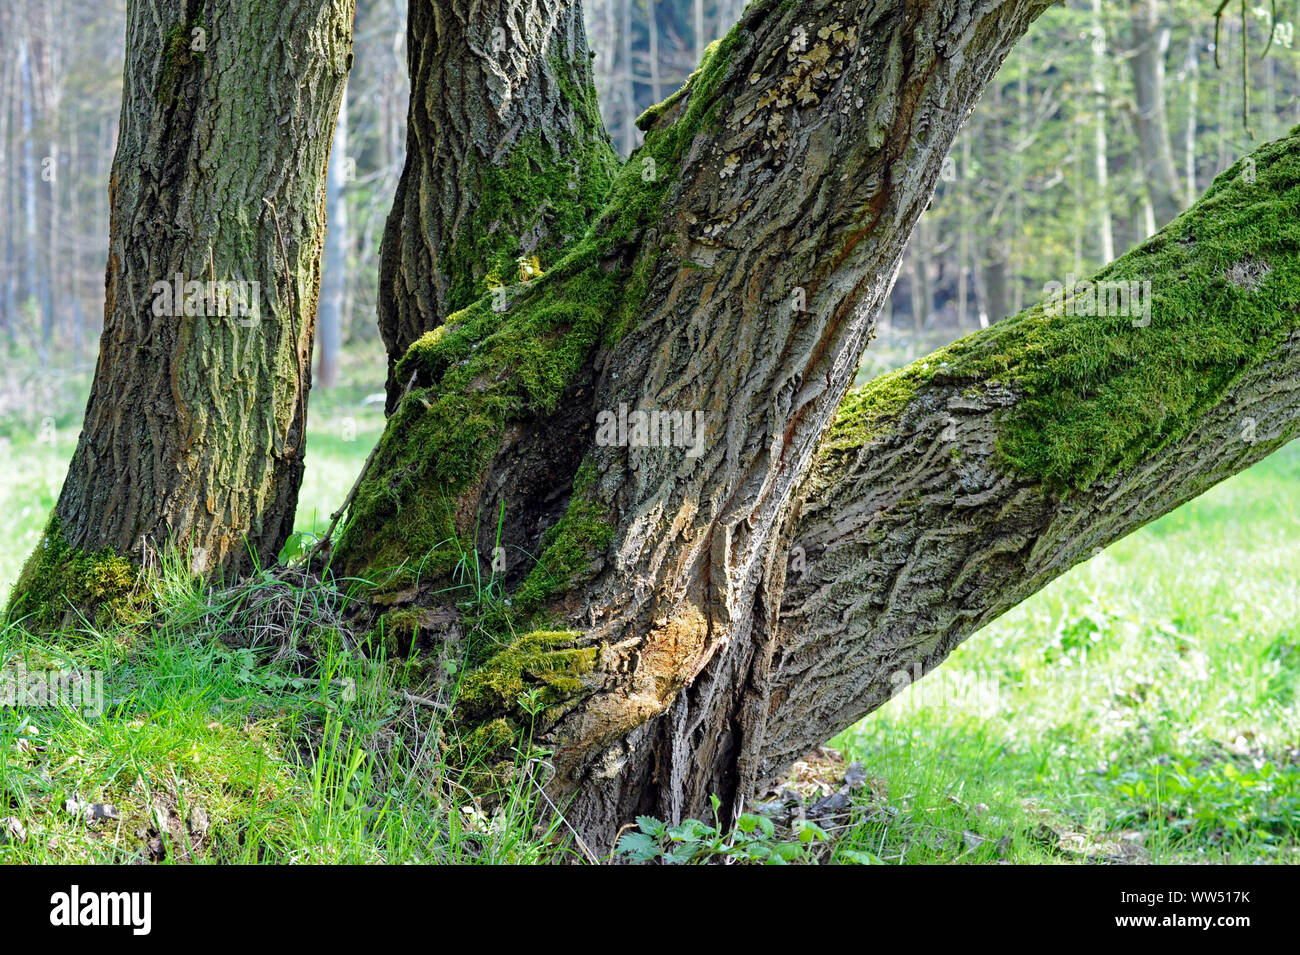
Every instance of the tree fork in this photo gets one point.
(740, 286)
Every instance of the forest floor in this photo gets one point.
(1143, 708)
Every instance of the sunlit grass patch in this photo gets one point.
(1146, 699)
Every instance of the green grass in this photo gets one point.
(209, 751)
(213, 747)
(1142, 708)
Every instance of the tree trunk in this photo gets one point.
(1147, 63)
(193, 433)
(732, 280)
(963, 234)
(918, 253)
(507, 160)
(1101, 151)
(1192, 77)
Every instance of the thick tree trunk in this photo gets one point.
(732, 281)
(918, 529)
(193, 433)
(949, 492)
(507, 160)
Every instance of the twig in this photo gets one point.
(586, 850)
(424, 701)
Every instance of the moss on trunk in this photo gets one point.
(1099, 392)
(59, 583)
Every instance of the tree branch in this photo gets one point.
(918, 528)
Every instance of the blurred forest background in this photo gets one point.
(1106, 121)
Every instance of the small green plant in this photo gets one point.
(1214, 800)
(752, 840)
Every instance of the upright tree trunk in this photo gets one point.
(507, 159)
(652, 52)
(1147, 64)
(919, 256)
(334, 277)
(1192, 74)
(31, 245)
(1101, 152)
(697, 31)
(627, 76)
(963, 234)
(8, 187)
(193, 433)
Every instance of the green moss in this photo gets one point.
(1098, 394)
(650, 118)
(177, 57)
(487, 368)
(540, 189)
(58, 580)
(395, 632)
(489, 738)
(540, 669)
(867, 412)
(546, 189)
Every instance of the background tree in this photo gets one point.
(1150, 40)
(193, 434)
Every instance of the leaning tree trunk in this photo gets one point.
(193, 434)
(697, 593)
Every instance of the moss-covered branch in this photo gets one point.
(1101, 387)
(948, 492)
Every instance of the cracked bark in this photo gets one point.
(832, 124)
(772, 251)
(822, 141)
(193, 433)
